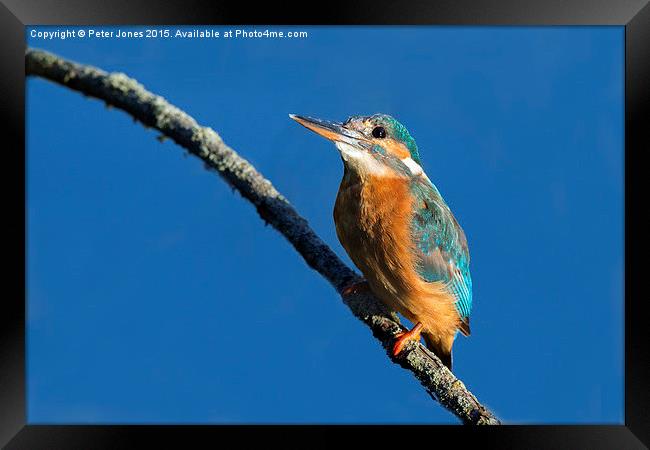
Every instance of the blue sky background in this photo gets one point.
(156, 295)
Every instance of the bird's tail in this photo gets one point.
(441, 348)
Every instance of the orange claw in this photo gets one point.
(355, 288)
(404, 338)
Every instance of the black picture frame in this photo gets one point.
(16, 14)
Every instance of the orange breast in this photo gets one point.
(372, 218)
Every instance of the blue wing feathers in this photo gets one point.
(441, 245)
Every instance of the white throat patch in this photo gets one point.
(361, 160)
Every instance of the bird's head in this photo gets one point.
(370, 145)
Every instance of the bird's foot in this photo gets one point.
(404, 338)
(355, 288)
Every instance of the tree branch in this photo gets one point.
(118, 90)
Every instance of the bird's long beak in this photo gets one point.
(333, 131)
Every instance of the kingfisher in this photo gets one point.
(397, 229)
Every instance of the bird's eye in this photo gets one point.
(379, 132)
